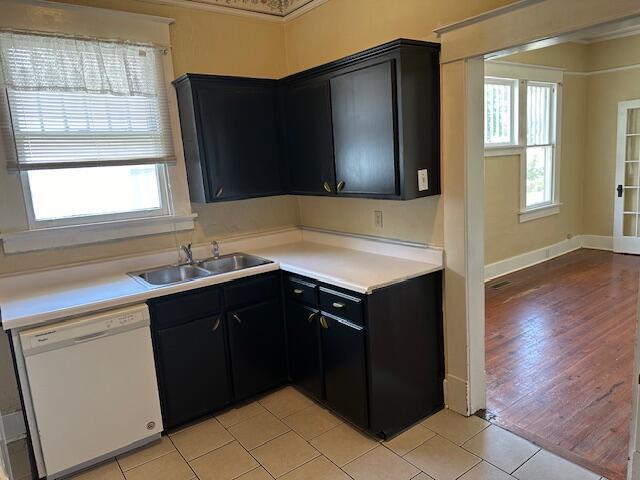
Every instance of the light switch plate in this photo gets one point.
(377, 215)
(423, 180)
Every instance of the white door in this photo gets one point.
(626, 220)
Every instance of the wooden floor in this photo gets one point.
(560, 346)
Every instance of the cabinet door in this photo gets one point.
(192, 369)
(344, 363)
(240, 137)
(365, 132)
(309, 143)
(305, 357)
(257, 348)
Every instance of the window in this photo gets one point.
(91, 128)
(540, 144)
(521, 118)
(500, 112)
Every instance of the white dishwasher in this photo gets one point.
(93, 387)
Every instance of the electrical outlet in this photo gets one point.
(423, 180)
(377, 216)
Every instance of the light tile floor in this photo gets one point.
(285, 435)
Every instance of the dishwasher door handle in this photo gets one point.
(91, 336)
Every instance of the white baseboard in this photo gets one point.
(14, 427)
(597, 242)
(528, 259)
(455, 394)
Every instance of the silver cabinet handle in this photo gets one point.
(237, 318)
(298, 291)
(327, 187)
(219, 192)
(338, 305)
(310, 319)
(340, 186)
(323, 322)
(216, 325)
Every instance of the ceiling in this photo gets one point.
(277, 8)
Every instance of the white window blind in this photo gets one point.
(80, 103)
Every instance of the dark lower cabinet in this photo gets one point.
(345, 372)
(305, 357)
(257, 348)
(375, 359)
(192, 369)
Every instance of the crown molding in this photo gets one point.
(230, 10)
(484, 16)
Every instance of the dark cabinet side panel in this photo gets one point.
(305, 357)
(309, 138)
(405, 352)
(345, 374)
(192, 370)
(240, 138)
(257, 348)
(363, 105)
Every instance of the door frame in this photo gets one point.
(622, 243)
(520, 26)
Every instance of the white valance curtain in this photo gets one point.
(77, 102)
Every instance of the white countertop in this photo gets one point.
(355, 270)
(24, 303)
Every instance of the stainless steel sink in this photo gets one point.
(231, 263)
(170, 275)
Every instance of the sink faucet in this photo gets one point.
(216, 249)
(188, 253)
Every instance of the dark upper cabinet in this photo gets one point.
(308, 138)
(305, 357)
(345, 373)
(363, 106)
(192, 369)
(231, 136)
(257, 348)
(384, 123)
(366, 126)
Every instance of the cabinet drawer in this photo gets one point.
(341, 305)
(302, 290)
(253, 290)
(178, 309)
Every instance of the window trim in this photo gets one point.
(515, 95)
(165, 210)
(17, 233)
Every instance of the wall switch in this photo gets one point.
(377, 215)
(423, 180)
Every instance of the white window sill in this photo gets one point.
(503, 151)
(539, 212)
(41, 239)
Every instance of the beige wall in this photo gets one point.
(604, 91)
(505, 236)
(588, 150)
(342, 27)
(203, 42)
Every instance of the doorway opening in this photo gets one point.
(562, 214)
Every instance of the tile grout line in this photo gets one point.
(182, 456)
(147, 461)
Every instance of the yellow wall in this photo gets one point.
(588, 155)
(604, 91)
(203, 42)
(341, 27)
(505, 236)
